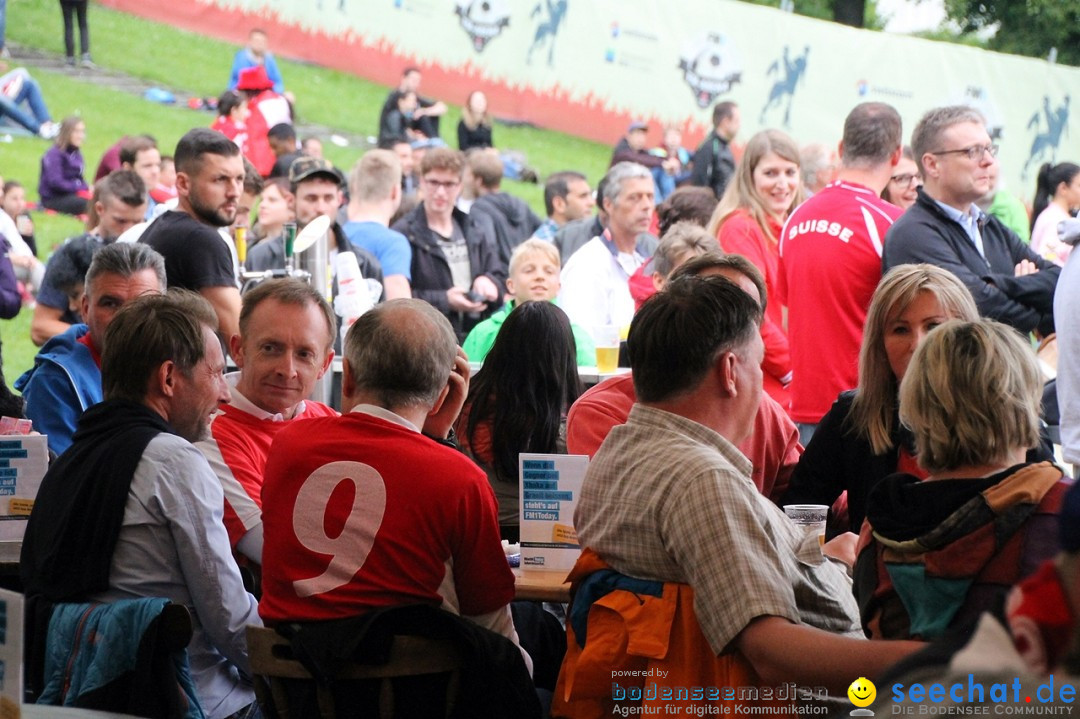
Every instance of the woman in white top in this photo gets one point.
(1057, 197)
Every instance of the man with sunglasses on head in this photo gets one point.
(455, 262)
(946, 228)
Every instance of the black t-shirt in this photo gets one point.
(196, 255)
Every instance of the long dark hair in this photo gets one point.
(528, 381)
(1050, 178)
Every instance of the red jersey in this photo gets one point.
(266, 110)
(773, 447)
(741, 235)
(830, 265)
(236, 450)
(360, 512)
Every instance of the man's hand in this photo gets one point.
(455, 297)
(1026, 267)
(439, 423)
(484, 287)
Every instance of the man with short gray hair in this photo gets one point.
(66, 377)
(595, 289)
(1010, 282)
(412, 503)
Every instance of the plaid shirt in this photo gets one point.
(668, 499)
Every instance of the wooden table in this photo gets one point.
(541, 586)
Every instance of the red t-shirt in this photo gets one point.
(361, 513)
(741, 235)
(237, 450)
(773, 447)
(830, 264)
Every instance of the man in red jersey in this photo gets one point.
(285, 345)
(830, 263)
(362, 511)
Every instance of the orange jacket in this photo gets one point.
(652, 651)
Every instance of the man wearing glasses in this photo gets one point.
(944, 227)
(455, 263)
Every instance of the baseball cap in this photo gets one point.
(305, 167)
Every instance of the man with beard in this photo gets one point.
(209, 183)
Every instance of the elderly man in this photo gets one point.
(410, 503)
(285, 345)
(594, 280)
(66, 377)
(209, 183)
(133, 510)
(455, 263)
(668, 498)
(120, 201)
(1010, 282)
(830, 263)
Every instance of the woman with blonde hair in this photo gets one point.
(860, 441)
(765, 188)
(935, 553)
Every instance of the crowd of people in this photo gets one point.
(848, 328)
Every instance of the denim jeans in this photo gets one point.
(3, 22)
(30, 94)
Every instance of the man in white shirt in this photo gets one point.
(594, 280)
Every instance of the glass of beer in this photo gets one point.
(810, 517)
(606, 338)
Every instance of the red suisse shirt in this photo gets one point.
(830, 264)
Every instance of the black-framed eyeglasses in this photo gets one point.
(905, 180)
(975, 152)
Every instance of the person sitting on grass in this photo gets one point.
(534, 275)
(17, 89)
(62, 187)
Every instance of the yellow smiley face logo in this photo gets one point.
(862, 692)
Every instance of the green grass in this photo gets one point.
(180, 60)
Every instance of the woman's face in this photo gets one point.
(907, 328)
(478, 103)
(776, 181)
(274, 208)
(904, 183)
(78, 134)
(1070, 191)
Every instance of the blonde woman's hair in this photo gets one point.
(971, 395)
(740, 192)
(873, 411)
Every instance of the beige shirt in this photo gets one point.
(669, 499)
